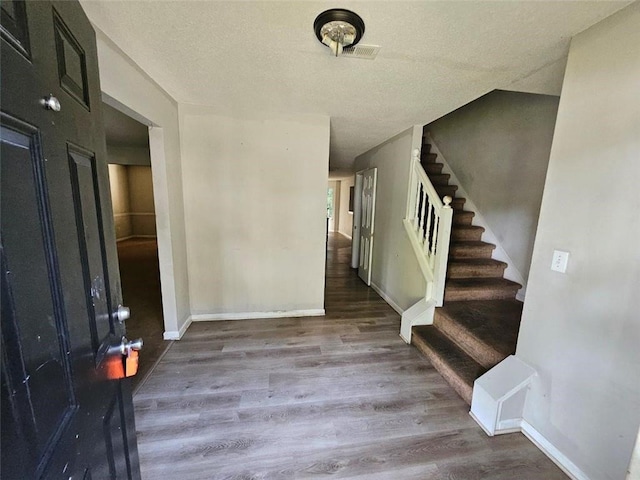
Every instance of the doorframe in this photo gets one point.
(357, 213)
(335, 220)
(161, 205)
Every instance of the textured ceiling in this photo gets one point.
(250, 58)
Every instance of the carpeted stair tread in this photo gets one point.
(480, 288)
(454, 364)
(458, 203)
(462, 217)
(444, 190)
(475, 267)
(470, 249)
(428, 157)
(466, 232)
(433, 168)
(439, 178)
(478, 325)
(486, 330)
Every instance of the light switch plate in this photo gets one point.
(560, 261)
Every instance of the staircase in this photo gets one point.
(477, 327)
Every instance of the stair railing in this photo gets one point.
(428, 224)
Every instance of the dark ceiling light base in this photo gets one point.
(338, 28)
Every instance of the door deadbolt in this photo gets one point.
(50, 103)
(122, 313)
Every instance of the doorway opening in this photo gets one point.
(331, 205)
(130, 179)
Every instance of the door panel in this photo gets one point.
(117, 448)
(84, 184)
(14, 25)
(37, 329)
(66, 410)
(72, 67)
(367, 221)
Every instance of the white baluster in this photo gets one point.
(411, 204)
(425, 200)
(427, 243)
(416, 206)
(434, 236)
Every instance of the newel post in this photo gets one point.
(442, 249)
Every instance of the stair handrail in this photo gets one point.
(428, 223)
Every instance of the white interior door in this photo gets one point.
(367, 217)
(355, 228)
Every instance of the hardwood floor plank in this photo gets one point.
(339, 396)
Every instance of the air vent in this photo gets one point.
(368, 52)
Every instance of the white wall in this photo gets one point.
(127, 87)
(132, 201)
(395, 269)
(498, 146)
(143, 219)
(346, 218)
(240, 175)
(119, 186)
(581, 330)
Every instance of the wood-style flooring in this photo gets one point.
(339, 396)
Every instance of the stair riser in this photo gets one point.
(481, 353)
(462, 217)
(435, 168)
(458, 203)
(470, 252)
(428, 157)
(426, 147)
(448, 373)
(446, 190)
(439, 178)
(475, 271)
(466, 234)
(502, 293)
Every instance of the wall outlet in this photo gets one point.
(559, 261)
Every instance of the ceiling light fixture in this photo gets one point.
(338, 28)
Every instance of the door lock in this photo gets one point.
(50, 103)
(122, 313)
(124, 358)
(126, 346)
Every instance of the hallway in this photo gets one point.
(140, 277)
(339, 396)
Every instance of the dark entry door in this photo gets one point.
(66, 411)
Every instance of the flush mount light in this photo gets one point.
(338, 28)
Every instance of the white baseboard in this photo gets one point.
(387, 299)
(209, 317)
(177, 334)
(135, 236)
(561, 460)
